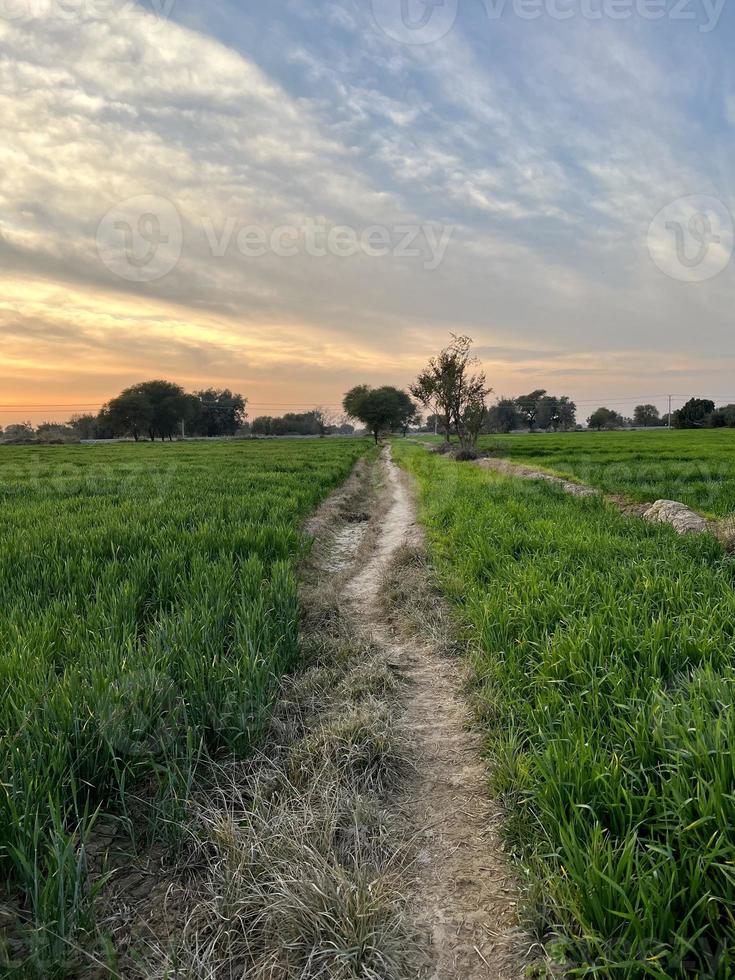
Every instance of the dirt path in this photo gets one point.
(465, 898)
(369, 784)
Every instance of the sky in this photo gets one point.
(290, 198)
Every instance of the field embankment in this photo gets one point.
(694, 467)
(682, 518)
(149, 606)
(604, 665)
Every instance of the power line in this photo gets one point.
(267, 404)
(50, 407)
(302, 407)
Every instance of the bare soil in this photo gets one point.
(465, 897)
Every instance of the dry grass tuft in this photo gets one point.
(303, 868)
(415, 605)
(361, 743)
(300, 867)
(300, 882)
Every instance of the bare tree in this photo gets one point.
(454, 386)
(434, 388)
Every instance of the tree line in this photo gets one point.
(162, 409)
(697, 413)
(149, 410)
(700, 413)
(317, 422)
(644, 416)
(452, 389)
(536, 411)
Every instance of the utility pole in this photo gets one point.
(670, 397)
(183, 430)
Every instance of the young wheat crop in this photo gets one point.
(148, 607)
(695, 467)
(605, 673)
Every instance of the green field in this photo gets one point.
(604, 667)
(696, 467)
(148, 606)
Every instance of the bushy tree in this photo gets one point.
(646, 415)
(528, 406)
(546, 412)
(295, 424)
(723, 417)
(502, 416)
(106, 426)
(131, 413)
(316, 422)
(152, 408)
(605, 418)
(262, 426)
(85, 426)
(218, 412)
(56, 432)
(549, 412)
(694, 415)
(19, 432)
(381, 410)
(566, 414)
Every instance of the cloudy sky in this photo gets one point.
(293, 197)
